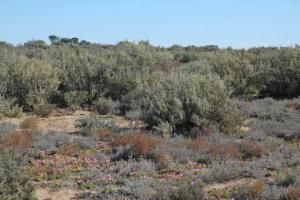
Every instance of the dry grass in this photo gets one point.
(19, 140)
(69, 150)
(251, 149)
(200, 145)
(30, 123)
(142, 143)
(105, 134)
(293, 193)
(230, 150)
(252, 190)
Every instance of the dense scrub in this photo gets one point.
(176, 88)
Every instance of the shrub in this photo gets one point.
(30, 123)
(221, 172)
(90, 125)
(8, 108)
(266, 109)
(141, 143)
(75, 99)
(286, 179)
(70, 149)
(43, 110)
(293, 193)
(189, 191)
(31, 81)
(6, 127)
(103, 106)
(51, 141)
(227, 151)
(251, 149)
(14, 181)
(273, 192)
(131, 167)
(251, 191)
(221, 151)
(185, 101)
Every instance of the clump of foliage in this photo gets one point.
(189, 190)
(30, 81)
(105, 106)
(91, 125)
(43, 110)
(186, 101)
(141, 144)
(249, 191)
(6, 128)
(14, 181)
(8, 108)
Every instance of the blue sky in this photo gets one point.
(235, 23)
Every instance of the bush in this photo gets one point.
(44, 110)
(103, 106)
(6, 127)
(189, 191)
(30, 81)
(286, 179)
(251, 191)
(9, 109)
(91, 125)
(185, 101)
(251, 149)
(141, 143)
(273, 193)
(51, 141)
(222, 172)
(15, 184)
(293, 193)
(75, 99)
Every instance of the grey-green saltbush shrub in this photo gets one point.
(8, 108)
(222, 172)
(51, 141)
(103, 106)
(6, 127)
(15, 184)
(89, 125)
(185, 101)
(189, 191)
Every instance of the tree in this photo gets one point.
(75, 40)
(53, 39)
